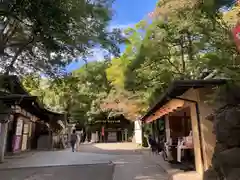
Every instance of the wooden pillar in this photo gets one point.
(96, 136)
(196, 139)
(3, 134)
(153, 130)
(50, 138)
(167, 128)
(122, 134)
(156, 130)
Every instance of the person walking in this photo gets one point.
(153, 144)
(73, 140)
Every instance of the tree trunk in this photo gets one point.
(190, 46)
(182, 56)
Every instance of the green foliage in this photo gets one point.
(78, 94)
(45, 35)
(32, 84)
(195, 39)
(191, 42)
(115, 72)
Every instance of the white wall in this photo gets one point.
(93, 137)
(138, 131)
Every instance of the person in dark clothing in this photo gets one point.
(153, 144)
(73, 140)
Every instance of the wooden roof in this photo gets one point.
(12, 92)
(179, 87)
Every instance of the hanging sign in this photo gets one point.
(236, 30)
(24, 142)
(108, 121)
(25, 129)
(236, 35)
(19, 127)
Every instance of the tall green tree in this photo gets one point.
(93, 87)
(185, 45)
(77, 94)
(47, 34)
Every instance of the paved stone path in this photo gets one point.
(96, 161)
(137, 168)
(85, 172)
(56, 158)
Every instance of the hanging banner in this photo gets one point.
(16, 143)
(24, 142)
(236, 35)
(103, 131)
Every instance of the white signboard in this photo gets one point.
(93, 137)
(24, 142)
(25, 128)
(19, 127)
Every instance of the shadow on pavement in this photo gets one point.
(138, 168)
(73, 172)
(90, 163)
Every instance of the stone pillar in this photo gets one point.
(50, 138)
(226, 157)
(3, 137)
(93, 137)
(97, 136)
(126, 134)
(167, 128)
(101, 138)
(226, 123)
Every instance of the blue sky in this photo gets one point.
(126, 13)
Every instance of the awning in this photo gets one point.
(179, 87)
(170, 106)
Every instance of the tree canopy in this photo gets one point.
(46, 35)
(191, 43)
